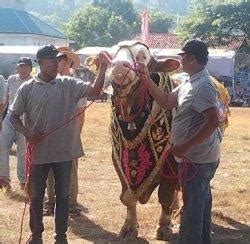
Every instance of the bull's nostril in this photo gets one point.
(129, 66)
(126, 64)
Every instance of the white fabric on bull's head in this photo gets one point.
(128, 53)
(121, 74)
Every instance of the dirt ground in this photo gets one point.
(99, 189)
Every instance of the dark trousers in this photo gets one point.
(195, 227)
(62, 175)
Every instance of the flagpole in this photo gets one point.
(144, 26)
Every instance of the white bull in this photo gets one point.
(139, 144)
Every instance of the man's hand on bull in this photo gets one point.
(104, 61)
(142, 71)
(180, 150)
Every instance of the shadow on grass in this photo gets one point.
(15, 196)
(86, 229)
(235, 233)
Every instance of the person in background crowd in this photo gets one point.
(239, 91)
(2, 98)
(9, 134)
(67, 63)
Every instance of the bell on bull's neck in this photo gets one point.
(131, 126)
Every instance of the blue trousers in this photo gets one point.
(195, 227)
(8, 136)
(62, 175)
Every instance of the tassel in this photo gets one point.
(131, 126)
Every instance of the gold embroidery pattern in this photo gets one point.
(156, 135)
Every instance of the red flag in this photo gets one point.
(144, 26)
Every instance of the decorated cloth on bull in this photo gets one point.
(223, 104)
(139, 154)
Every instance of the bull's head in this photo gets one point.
(129, 91)
(124, 80)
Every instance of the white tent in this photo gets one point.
(91, 51)
(221, 62)
(88, 51)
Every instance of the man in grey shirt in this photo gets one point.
(46, 102)
(195, 138)
(9, 135)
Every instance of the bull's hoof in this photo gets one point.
(164, 233)
(128, 231)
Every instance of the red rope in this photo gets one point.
(181, 174)
(144, 96)
(28, 163)
(22, 221)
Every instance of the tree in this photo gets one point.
(99, 25)
(124, 8)
(53, 12)
(159, 22)
(107, 22)
(53, 19)
(217, 21)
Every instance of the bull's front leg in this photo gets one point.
(166, 196)
(130, 227)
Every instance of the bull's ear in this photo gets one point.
(164, 65)
(152, 65)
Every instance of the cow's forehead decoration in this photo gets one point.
(127, 55)
(136, 50)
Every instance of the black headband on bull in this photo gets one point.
(128, 47)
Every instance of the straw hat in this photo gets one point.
(70, 54)
(92, 63)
